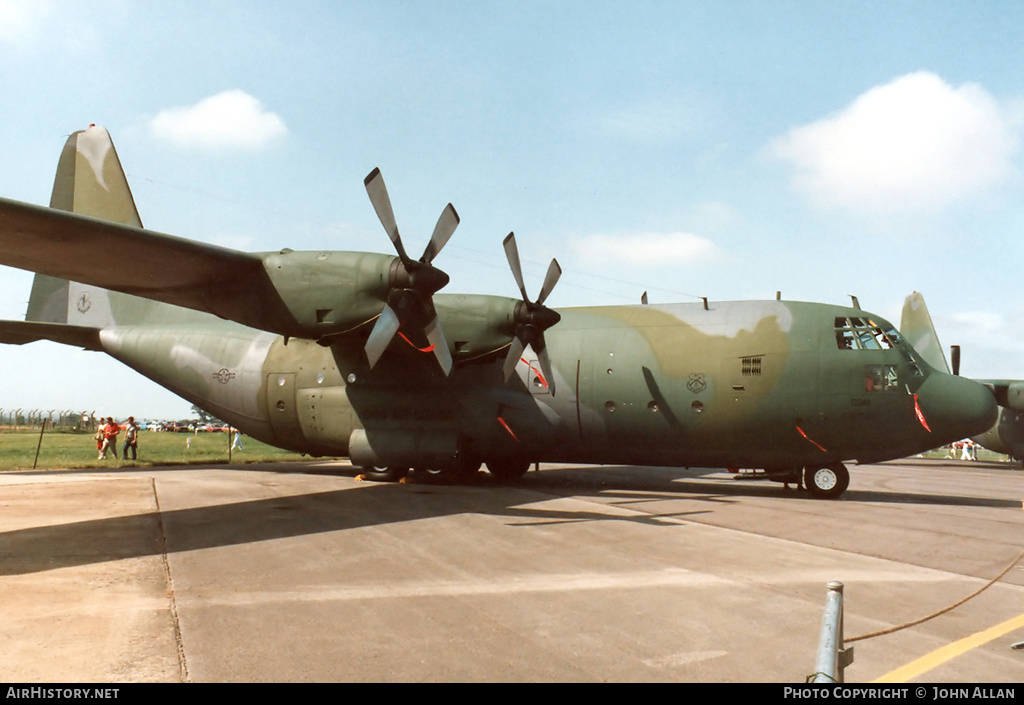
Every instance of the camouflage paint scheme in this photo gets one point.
(1007, 433)
(273, 343)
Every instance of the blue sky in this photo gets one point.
(720, 149)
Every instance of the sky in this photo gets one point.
(684, 148)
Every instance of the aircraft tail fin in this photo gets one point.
(917, 329)
(90, 181)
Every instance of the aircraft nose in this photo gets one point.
(955, 407)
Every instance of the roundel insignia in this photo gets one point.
(697, 383)
(223, 375)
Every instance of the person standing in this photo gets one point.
(110, 432)
(131, 439)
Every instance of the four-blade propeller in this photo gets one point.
(532, 318)
(413, 284)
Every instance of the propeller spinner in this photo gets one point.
(413, 283)
(532, 318)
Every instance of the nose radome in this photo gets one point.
(955, 407)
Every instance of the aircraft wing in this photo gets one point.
(21, 332)
(228, 283)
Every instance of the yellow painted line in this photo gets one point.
(950, 651)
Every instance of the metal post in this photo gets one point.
(42, 427)
(833, 658)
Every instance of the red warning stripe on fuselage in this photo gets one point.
(818, 445)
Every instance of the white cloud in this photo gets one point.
(232, 119)
(644, 250)
(915, 143)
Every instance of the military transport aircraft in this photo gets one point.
(352, 353)
(1007, 433)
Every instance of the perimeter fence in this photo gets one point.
(67, 420)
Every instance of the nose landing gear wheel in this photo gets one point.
(827, 482)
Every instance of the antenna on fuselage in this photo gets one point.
(856, 303)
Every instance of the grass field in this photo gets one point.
(78, 450)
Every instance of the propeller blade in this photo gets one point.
(954, 354)
(446, 225)
(435, 336)
(545, 363)
(515, 353)
(378, 194)
(532, 317)
(550, 279)
(380, 337)
(512, 255)
(411, 290)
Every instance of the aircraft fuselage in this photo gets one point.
(773, 385)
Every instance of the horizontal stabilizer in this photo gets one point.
(21, 332)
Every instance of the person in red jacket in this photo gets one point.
(110, 432)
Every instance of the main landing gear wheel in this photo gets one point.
(508, 470)
(385, 474)
(463, 471)
(827, 482)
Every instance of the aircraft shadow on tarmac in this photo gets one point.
(43, 548)
(693, 483)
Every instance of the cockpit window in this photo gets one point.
(859, 333)
(863, 334)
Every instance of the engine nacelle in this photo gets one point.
(1007, 435)
(329, 292)
(1014, 396)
